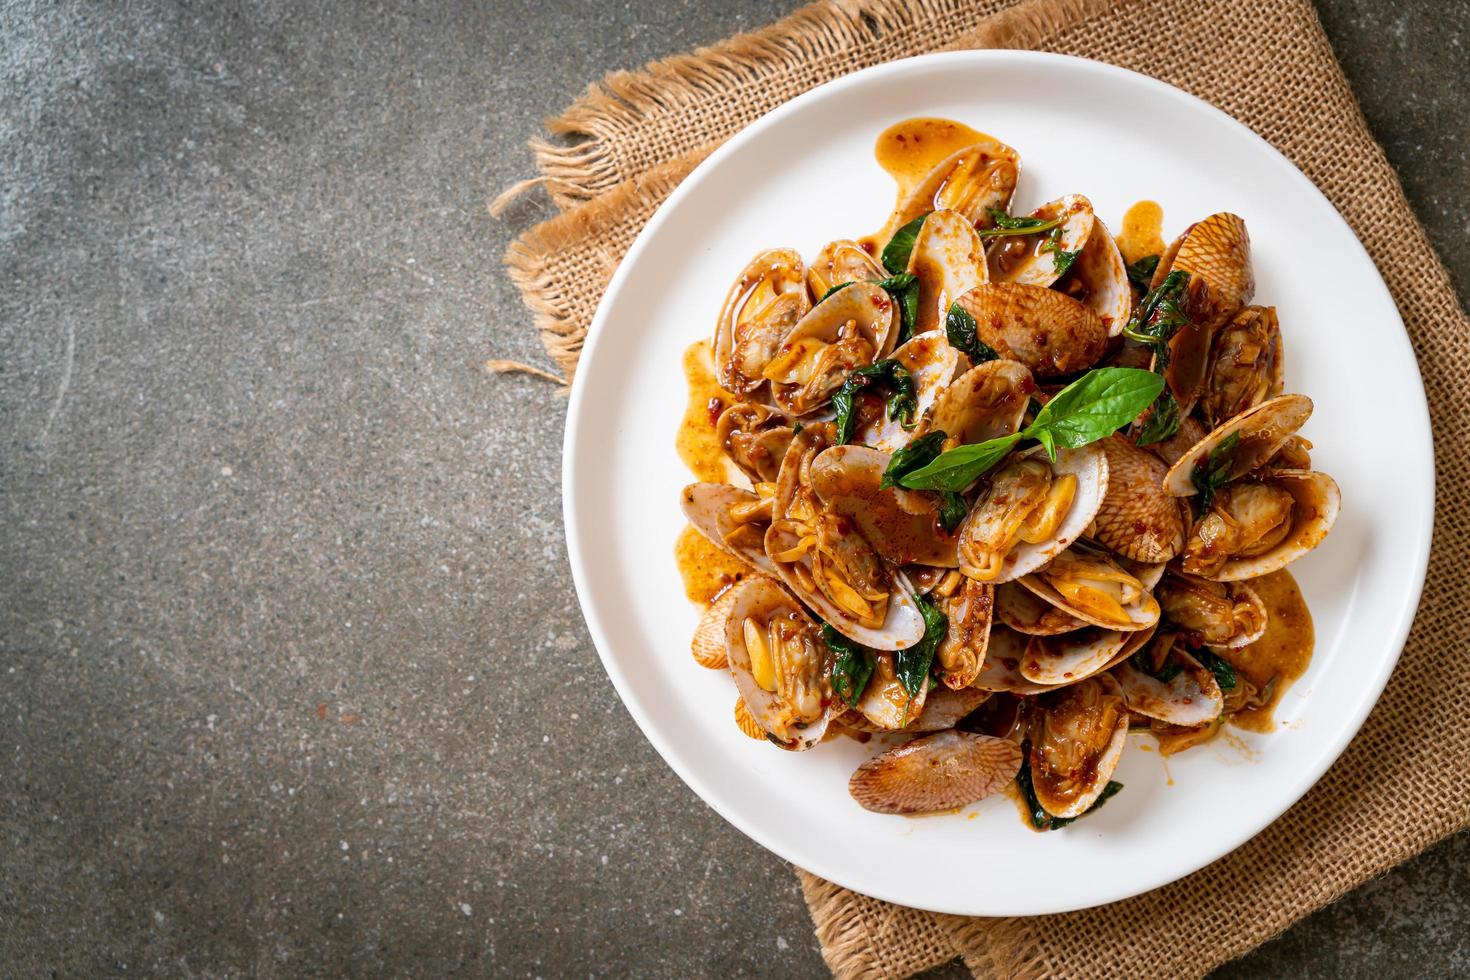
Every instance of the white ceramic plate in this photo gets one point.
(805, 175)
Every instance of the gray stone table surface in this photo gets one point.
(292, 678)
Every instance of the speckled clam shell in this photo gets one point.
(784, 267)
(1144, 615)
(1318, 500)
(936, 772)
(949, 260)
(986, 402)
(841, 261)
(862, 303)
(1040, 269)
(1264, 429)
(762, 598)
(1137, 519)
(1217, 250)
(943, 708)
(1103, 765)
(1002, 668)
(1191, 698)
(894, 521)
(1100, 268)
(1054, 661)
(707, 507)
(931, 361)
(708, 643)
(971, 180)
(1025, 612)
(1049, 332)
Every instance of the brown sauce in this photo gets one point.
(1284, 652)
(911, 149)
(697, 443)
(1142, 231)
(706, 570)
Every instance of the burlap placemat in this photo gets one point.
(1400, 786)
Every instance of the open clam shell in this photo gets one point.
(1222, 615)
(1189, 698)
(708, 643)
(902, 625)
(986, 402)
(795, 704)
(1032, 259)
(931, 362)
(1026, 612)
(864, 312)
(1052, 661)
(902, 526)
(1258, 433)
(972, 180)
(767, 299)
(949, 260)
(1093, 568)
(1137, 519)
(707, 506)
(1002, 668)
(961, 653)
(755, 438)
(1246, 365)
(841, 261)
(1099, 279)
(943, 708)
(1174, 448)
(1046, 330)
(885, 702)
(1090, 468)
(1317, 501)
(936, 772)
(1077, 736)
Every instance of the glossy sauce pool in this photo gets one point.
(1142, 231)
(1283, 652)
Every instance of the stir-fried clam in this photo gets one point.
(953, 530)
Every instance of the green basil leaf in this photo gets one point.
(912, 665)
(834, 289)
(1005, 224)
(853, 667)
(1214, 473)
(1096, 405)
(961, 466)
(1162, 423)
(1220, 667)
(919, 452)
(901, 404)
(952, 510)
(1063, 258)
(1141, 273)
(896, 282)
(842, 406)
(964, 335)
(896, 253)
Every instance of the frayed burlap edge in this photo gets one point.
(527, 260)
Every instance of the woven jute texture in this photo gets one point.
(1400, 786)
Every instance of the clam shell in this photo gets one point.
(1191, 698)
(884, 703)
(1052, 661)
(707, 507)
(746, 722)
(949, 260)
(1217, 250)
(1174, 448)
(1049, 332)
(1250, 343)
(1174, 594)
(1038, 268)
(841, 261)
(1144, 615)
(985, 402)
(708, 644)
(755, 438)
(943, 708)
(971, 180)
(1002, 668)
(862, 303)
(961, 653)
(781, 268)
(1261, 431)
(1025, 612)
(901, 525)
(1090, 467)
(1103, 275)
(931, 361)
(1101, 763)
(936, 772)
(761, 597)
(1137, 519)
(902, 626)
(1317, 503)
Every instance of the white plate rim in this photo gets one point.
(1402, 615)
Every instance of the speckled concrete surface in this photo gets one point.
(292, 680)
